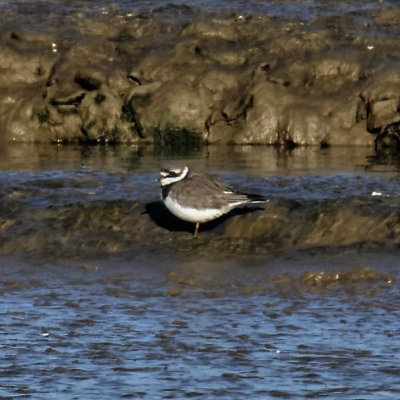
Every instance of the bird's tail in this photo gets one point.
(256, 198)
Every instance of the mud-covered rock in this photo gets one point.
(383, 100)
(218, 78)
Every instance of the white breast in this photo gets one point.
(193, 214)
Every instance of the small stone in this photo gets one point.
(173, 292)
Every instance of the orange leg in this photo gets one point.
(197, 228)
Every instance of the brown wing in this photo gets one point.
(207, 191)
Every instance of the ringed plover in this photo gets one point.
(199, 198)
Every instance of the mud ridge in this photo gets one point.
(104, 228)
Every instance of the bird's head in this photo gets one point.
(170, 176)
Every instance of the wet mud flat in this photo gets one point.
(288, 74)
(103, 294)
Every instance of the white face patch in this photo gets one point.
(173, 175)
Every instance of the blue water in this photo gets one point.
(296, 9)
(110, 330)
(59, 188)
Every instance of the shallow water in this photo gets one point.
(57, 175)
(297, 9)
(116, 329)
(305, 324)
(60, 16)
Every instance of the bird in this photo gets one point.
(198, 198)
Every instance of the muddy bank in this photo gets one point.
(120, 227)
(219, 77)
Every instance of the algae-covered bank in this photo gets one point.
(104, 294)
